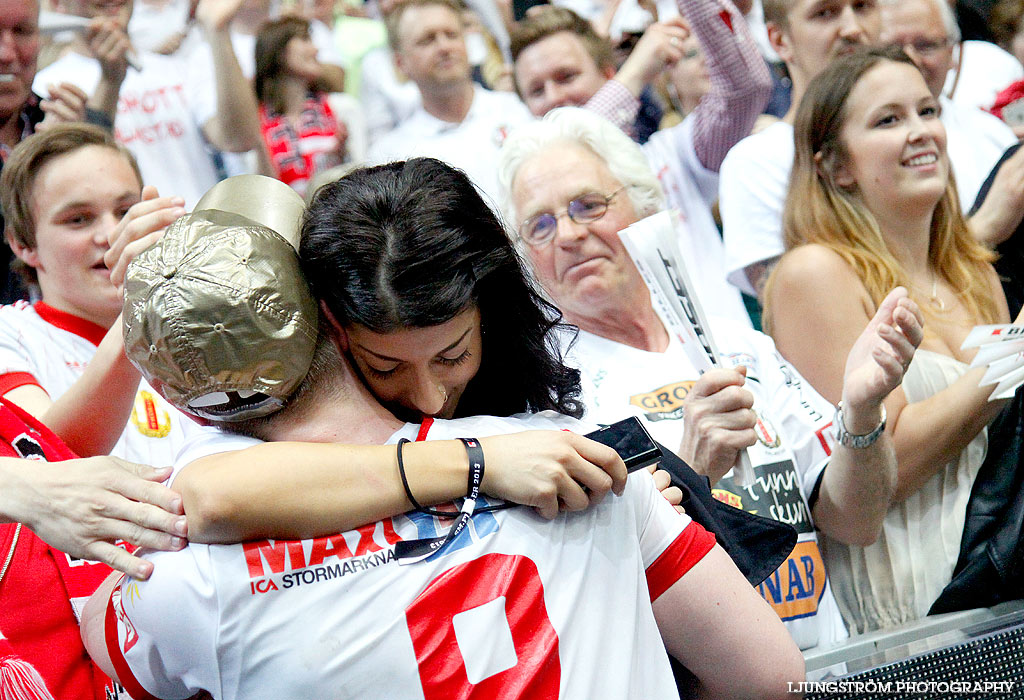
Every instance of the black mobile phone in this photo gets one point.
(631, 440)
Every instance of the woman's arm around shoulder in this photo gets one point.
(298, 490)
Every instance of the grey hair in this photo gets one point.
(948, 20)
(625, 159)
(945, 12)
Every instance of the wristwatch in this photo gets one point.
(848, 439)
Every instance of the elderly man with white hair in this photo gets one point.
(572, 181)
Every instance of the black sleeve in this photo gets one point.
(987, 185)
(1010, 264)
(757, 545)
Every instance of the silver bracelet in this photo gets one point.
(848, 439)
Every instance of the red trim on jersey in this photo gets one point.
(124, 673)
(70, 323)
(820, 432)
(425, 426)
(12, 380)
(56, 450)
(679, 557)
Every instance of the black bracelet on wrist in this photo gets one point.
(405, 481)
(410, 551)
(475, 453)
(408, 491)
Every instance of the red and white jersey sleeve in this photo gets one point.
(670, 545)
(182, 610)
(44, 348)
(50, 348)
(515, 607)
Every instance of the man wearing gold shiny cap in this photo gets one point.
(497, 602)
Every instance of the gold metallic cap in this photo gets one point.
(263, 199)
(217, 314)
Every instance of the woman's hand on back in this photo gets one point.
(551, 470)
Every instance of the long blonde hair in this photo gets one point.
(820, 211)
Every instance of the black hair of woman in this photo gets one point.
(413, 244)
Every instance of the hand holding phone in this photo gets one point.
(631, 440)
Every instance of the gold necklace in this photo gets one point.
(10, 552)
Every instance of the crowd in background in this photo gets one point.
(847, 177)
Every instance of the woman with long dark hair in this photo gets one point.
(429, 300)
(403, 247)
(305, 128)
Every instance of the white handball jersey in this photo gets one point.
(50, 348)
(792, 448)
(515, 607)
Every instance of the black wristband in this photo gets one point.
(475, 453)
(410, 551)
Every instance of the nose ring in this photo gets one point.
(444, 394)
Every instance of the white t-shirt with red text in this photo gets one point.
(515, 607)
(160, 114)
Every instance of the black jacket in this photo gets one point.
(756, 544)
(11, 287)
(990, 569)
(1010, 264)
